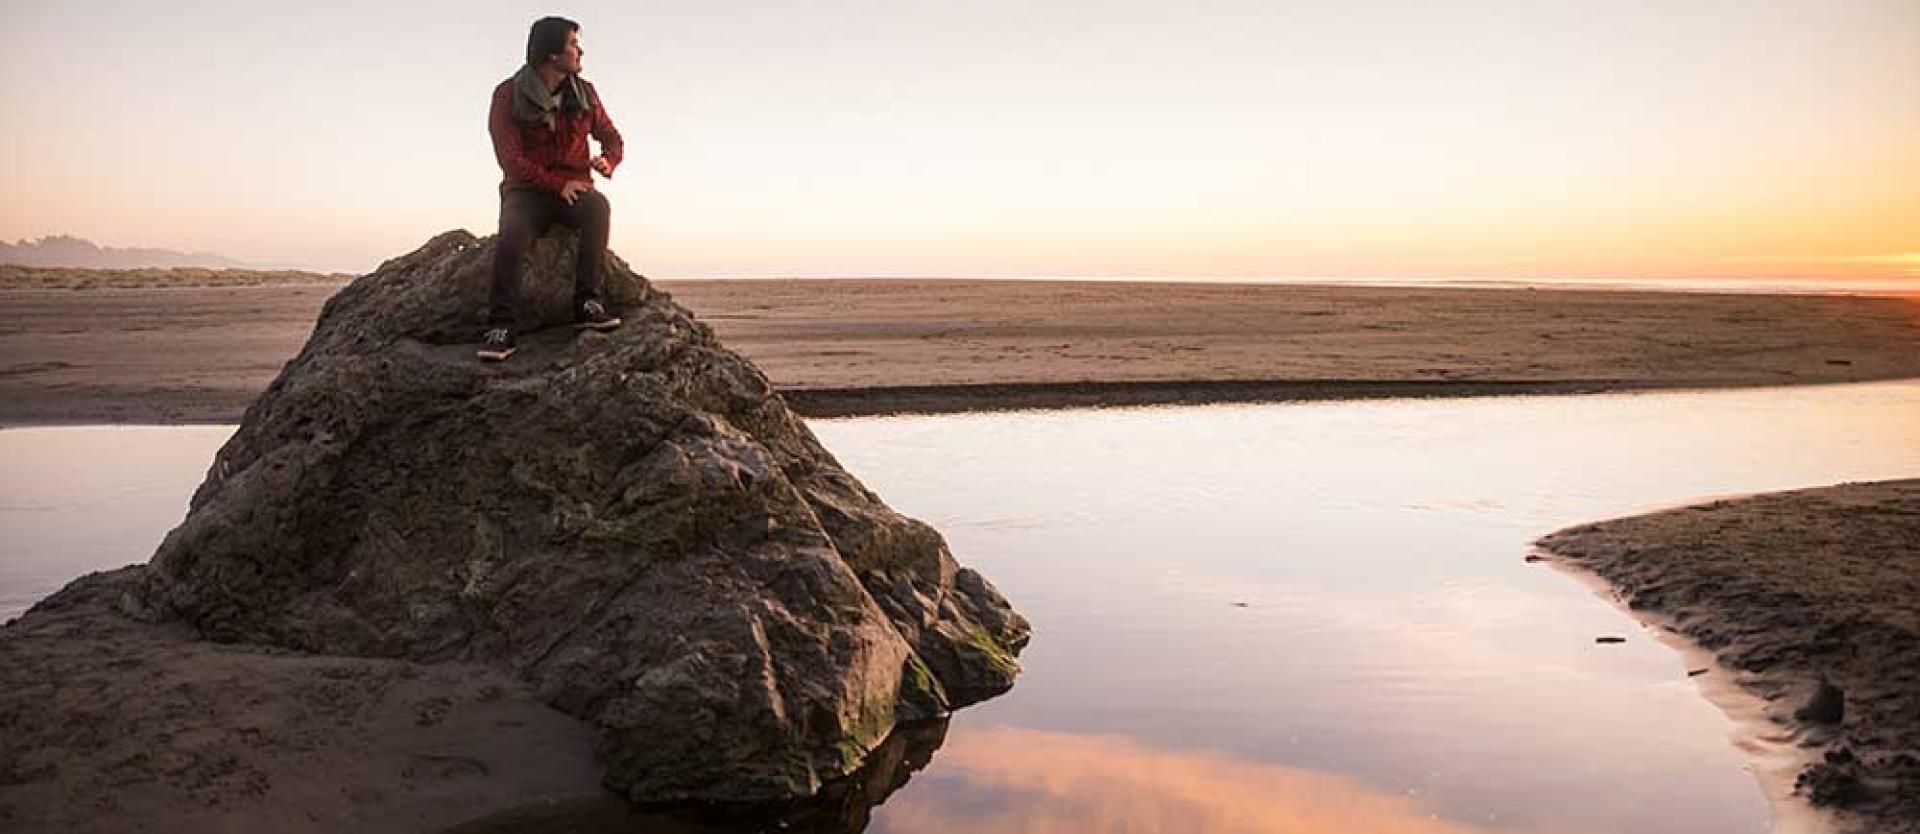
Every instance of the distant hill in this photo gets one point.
(70, 251)
(17, 277)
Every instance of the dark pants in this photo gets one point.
(524, 216)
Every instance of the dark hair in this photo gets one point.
(548, 37)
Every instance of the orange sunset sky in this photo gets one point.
(1218, 138)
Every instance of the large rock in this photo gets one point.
(633, 522)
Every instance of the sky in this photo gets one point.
(1206, 139)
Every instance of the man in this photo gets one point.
(540, 121)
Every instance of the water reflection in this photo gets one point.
(74, 500)
(842, 807)
(1044, 782)
(1033, 781)
(1239, 611)
(1339, 587)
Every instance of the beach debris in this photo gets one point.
(1827, 706)
(1832, 785)
(1609, 639)
(1535, 557)
(1238, 604)
(1694, 673)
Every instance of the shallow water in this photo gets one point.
(1307, 618)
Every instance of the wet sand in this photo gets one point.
(1783, 589)
(113, 725)
(80, 347)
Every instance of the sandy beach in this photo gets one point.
(81, 347)
(114, 725)
(1785, 589)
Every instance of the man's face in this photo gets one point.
(568, 59)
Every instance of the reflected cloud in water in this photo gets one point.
(1006, 779)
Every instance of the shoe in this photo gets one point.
(593, 315)
(497, 344)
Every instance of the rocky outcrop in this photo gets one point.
(632, 522)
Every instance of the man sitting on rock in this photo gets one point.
(540, 121)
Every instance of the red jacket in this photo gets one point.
(532, 156)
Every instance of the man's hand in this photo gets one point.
(571, 191)
(601, 164)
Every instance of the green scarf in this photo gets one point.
(532, 103)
